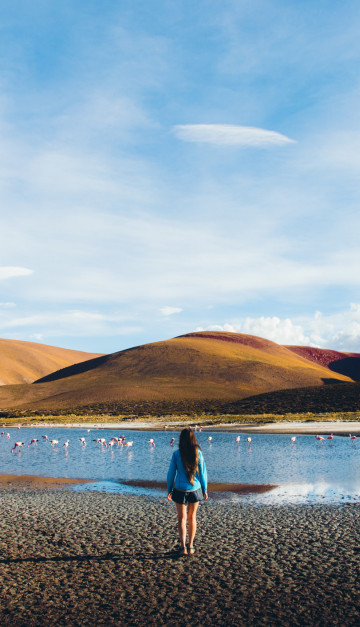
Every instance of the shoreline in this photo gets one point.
(292, 427)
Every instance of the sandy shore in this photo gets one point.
(70, 558)
(339, 427)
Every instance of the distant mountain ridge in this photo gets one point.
(200, 368)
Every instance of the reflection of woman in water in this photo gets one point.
(187, 485)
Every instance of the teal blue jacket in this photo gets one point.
(177, 476)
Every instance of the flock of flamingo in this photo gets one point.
(120, 441)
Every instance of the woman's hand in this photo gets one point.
(169, 496)
(206, 496)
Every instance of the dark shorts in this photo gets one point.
(190, 496)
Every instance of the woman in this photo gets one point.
(187, 485)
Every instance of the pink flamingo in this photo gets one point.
(248, 440)
(33, 441)
(172, 441)
(66, 444)
(330, 437)
(8, 436)
(238, 439)
(17, 445)
(45, 438)
(319, 437)
(82, 441)
(352, 437)
(151, 441)
(128, 443)
(293, 439)
(210, 438)
(54, 442)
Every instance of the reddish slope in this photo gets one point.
(343, 363)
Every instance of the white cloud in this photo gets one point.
(169, 311)
(229, 135)
(271, 328)
(340, 331)
(8, 272)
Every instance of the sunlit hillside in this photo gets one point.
(24, 362)
(199, 366)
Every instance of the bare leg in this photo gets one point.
(181, 512)
(192, 522)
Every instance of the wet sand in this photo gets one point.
(39, 482)
(92, 558)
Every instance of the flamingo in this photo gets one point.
(54, 442)
(319, 437)
(238, 439)
(293, 439)
(44, 437)
(33, 441)
(82, 441)
(129, 443)
(17, 445)
(248, 440)
(151, 441)
(330, 437)
(352, 437)
(210, 438)
(172, 441)
(8, 436)
(66, 444)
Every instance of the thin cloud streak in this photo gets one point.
(229, 135)
(10, 272)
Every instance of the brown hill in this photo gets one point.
(194, 368)
(24, 362)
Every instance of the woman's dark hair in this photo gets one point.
(189, 451)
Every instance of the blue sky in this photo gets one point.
(167, 167)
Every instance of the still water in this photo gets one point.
(306, 471)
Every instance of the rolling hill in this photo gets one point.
(205, 369)
(24, 362)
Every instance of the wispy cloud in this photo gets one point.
(9, 272)
(229, 135)
(8, 305)
(70, 323)
(169, 311)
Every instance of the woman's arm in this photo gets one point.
(171, 474)
(202, 474)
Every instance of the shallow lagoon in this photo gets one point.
(305, 471)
